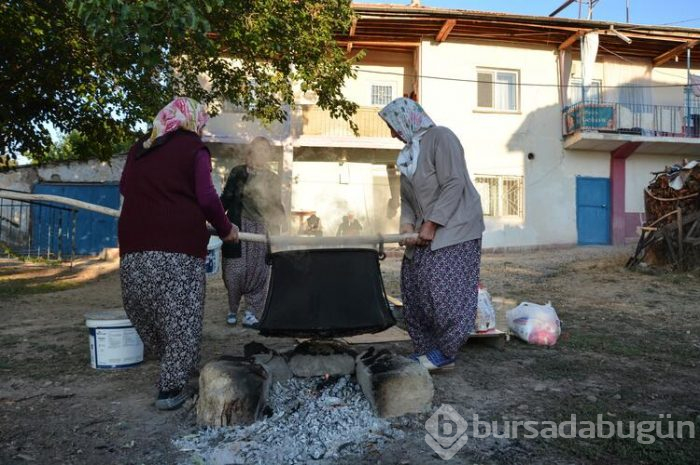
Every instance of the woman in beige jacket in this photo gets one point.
(440, 269)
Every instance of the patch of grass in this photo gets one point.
(617, 450)
(5, 250)
(606, 343)
(654, 345)
(561, 367)
(29, 287)
(9, 340)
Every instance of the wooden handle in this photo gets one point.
(324, 241)
(328, 241)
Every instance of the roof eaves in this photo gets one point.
(372, 10)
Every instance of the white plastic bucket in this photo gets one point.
(212, 264)
(114, 343)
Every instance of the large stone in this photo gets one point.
(231, 392)
(319, 358)
(270, 360)
(275, 365)
(393, 384)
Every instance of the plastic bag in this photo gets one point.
(535, 324)
(485, 314)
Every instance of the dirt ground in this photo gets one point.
(629, 350)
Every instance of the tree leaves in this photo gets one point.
(102, 67)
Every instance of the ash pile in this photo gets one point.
(671, 231)
(310, 419)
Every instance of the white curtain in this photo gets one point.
(589, 51)
(629, 84)
(506, 91)
(564, 76)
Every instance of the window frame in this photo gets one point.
(500, 206)
(577, 84)
(493, 82)
(391, 85)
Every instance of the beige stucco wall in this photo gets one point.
(498, 143)
(638, 171)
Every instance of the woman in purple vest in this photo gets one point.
(168, 198)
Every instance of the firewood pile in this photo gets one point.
(677, 187)
(671, 232)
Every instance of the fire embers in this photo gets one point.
(311, 419)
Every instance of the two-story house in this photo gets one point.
(558, 157)
(559, 147)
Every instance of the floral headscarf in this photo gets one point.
(410, 122)
(181, 113)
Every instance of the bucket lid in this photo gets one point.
(114, 314)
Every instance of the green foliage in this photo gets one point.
(7, 162)
(77, 146)
(100, 67)
(50, 74)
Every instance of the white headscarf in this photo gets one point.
(410, 122)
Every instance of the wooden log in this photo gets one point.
(58, 199)
(279, 241)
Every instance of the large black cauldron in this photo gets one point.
(325, 293)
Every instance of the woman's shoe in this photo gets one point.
(435, 360)
(249, 320)
(173, 399)
(232, 319)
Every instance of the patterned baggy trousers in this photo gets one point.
(248, 275)
(439, 290)
(163, 295)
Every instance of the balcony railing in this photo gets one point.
(635, 119)
(318, 122)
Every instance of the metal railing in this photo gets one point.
(318, 122)
(635, 119)
(38, 229)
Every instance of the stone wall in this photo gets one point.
(24, 178)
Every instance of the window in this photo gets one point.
(594, 92)
(497, 89)
(500, 195)
(382, 94)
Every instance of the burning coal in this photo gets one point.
(322, 418)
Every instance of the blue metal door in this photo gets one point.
(593, 210)
(90, 232)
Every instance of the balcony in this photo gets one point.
(660, 129)
(316, 127)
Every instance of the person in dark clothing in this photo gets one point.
(313, 226)
(252, 200)
(168, 198)
(349, 226)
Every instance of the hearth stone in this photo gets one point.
(393, 384)
(320, 358)
(275, 365)
(235, 390)
(231, 392)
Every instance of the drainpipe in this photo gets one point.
(687, 96)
